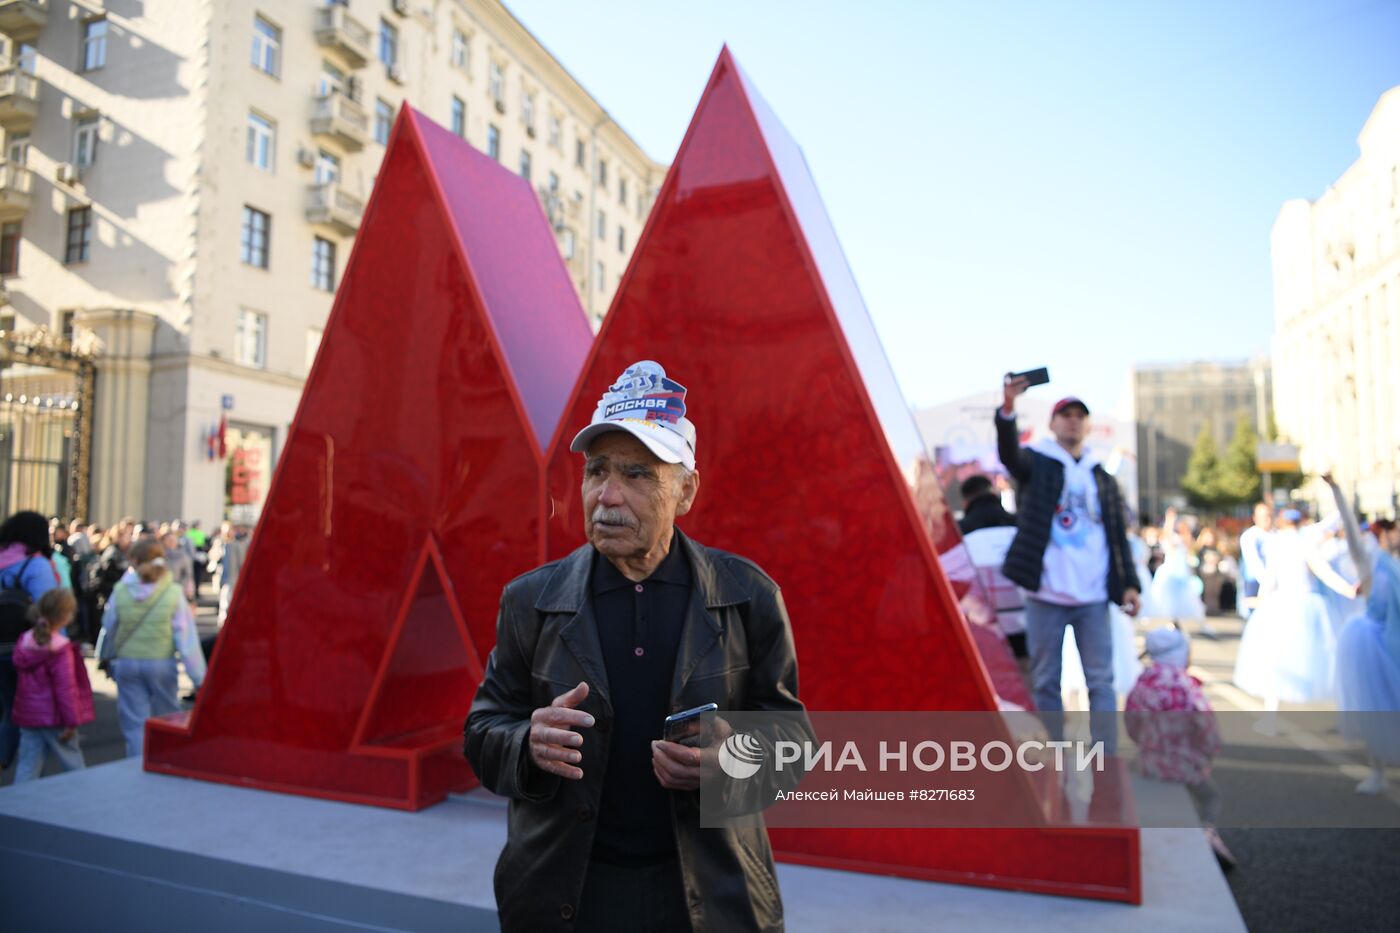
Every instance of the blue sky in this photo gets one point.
(1016, 184)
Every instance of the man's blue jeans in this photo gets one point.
(1045, 637)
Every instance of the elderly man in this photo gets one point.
(592, 653)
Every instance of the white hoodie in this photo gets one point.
(1075, 569)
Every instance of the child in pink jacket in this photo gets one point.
(53, 697)
(1173, 724)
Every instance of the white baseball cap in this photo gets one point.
(649, 406)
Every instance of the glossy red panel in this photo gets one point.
(407, 494)
(812, 466)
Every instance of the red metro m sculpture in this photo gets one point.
(407, 495)
(813, 467)
(428, 465)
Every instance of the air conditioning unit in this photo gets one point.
(353, 89)
(401, 7)
(67, 173)
(530, 131)
(306, 158)
(396, 73)
(500, 105)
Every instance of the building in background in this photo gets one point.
(1171, 402)
(182, 185)
(1336, 263)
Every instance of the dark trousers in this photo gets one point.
(647, 899)
(9, 732)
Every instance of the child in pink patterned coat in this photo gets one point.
(1168, 716)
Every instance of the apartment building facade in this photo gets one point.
(1336, 264)
(183, 183)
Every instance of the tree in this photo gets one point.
(1202, 480)
(1238, 480)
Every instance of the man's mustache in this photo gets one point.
(606, 516)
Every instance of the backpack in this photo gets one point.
(14, 609)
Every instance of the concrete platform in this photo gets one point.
(132, 850)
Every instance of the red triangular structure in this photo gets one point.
(813, 467)
(407, 494)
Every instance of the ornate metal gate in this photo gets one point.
(46, 391)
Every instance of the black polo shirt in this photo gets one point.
(639, 627)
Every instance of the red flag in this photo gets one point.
(223, 442)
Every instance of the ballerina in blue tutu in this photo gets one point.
(1288, 648)
(1368, 652)
(1175, 592)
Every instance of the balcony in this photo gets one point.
(337, 29)
(16, 181)
(332, 206)
(22, 20)
(19, 99)
(341, 119)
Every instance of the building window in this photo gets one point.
(313, 345)
(65, 324)
(28, 58)
(566, 243)
(622, 191)
(388, 44)
(327, 171)
(580, 154)
(250, 342)
(556, 132)
(10, 236)
(602, 226)
(332, 80)
(383, 121)
(496, 84)
(525, 164)
(262, 138)
(602, 173)
(553, 181)
(257, 228)
(85, 141)
(267, 47)
(459, 116)
(601, 275)
(621, 240)
(323, 264)
(79, 235)
(94, 44)
(18, 148)
(461, 50)
(527, 110)
(493, 142)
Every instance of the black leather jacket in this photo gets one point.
(736, 650)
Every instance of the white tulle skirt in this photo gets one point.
(1368, 689)
(1288, 649)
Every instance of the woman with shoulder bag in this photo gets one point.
(152, 630)
(26, 573)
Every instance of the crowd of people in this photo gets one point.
(123, 595)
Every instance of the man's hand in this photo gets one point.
(1010, 389)
(680, 767)
(553, 742)
(1132, 604)
(66, 735)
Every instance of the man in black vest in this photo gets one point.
(1070, 555)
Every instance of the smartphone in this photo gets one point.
(1033, 377)
(692, 727)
